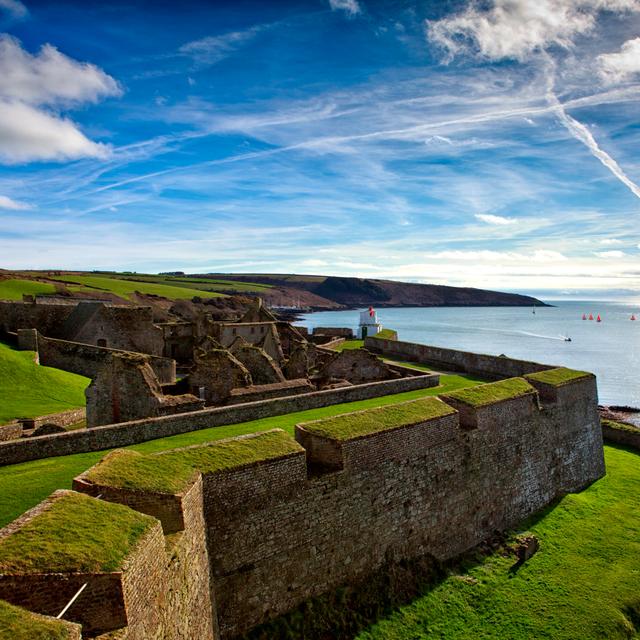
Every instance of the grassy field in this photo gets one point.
(124, 288)
(125, 284)
(22, 486)
(584, 583)
(13, 289)
(28, 390)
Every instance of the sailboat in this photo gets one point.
(633, 317)
(591, 316)
(598, 319)
(584, 316)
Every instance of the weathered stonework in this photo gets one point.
(263, 534)
(262, 367)
(356, 366)
(126, 388)
(217, 372)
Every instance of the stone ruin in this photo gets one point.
(126, 388)
(124, 353)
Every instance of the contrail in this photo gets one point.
(581, 133)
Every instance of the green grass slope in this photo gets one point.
(22, 486)
(14, 288)
(124, 288)
(29, 390)
(583, 582)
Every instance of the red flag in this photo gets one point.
(371, 311)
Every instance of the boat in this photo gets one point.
(567, 339)
(591, 316)
(633, 317)
(598, 319)
(584, 316)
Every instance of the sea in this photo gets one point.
(610, 348)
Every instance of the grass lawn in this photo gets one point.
(24, 485)
(28, 390)
(14, 288)
(584, 582)
(349, 344)
(124, 288)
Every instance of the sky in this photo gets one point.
(490, 144)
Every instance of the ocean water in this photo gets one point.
(610, 349)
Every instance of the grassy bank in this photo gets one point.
(583, 583)
(22, 486)
(28, 390)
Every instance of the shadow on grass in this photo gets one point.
(350, 609)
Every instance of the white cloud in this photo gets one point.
(516, 28)
(30, 87)
(618, 66)
(610, 241)
(14, 205)
(611, 254)
(210, 50)
(351, 7)
(497, 220)
(14, 8)
(28, 133)
(49, 77)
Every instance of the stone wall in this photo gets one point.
(629, 437)
(399, 495)
(126, 388)
(10, 431)
(86, 359)
(123, 434)
(489, 367)
(119, 327)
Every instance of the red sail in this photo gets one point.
(598, 318)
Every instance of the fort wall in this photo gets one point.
(366, 492)
(487, 366)
(390, 497)
(629, 437)
(126, 433)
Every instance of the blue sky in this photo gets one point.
(490, 144)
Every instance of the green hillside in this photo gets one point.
(124, 288)
(14, 289)
(29, 390)
(582, 583)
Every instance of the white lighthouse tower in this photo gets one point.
(369, 324)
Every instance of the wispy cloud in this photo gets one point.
(9, 203)
(491, 219)
(611, 254)
(350, 7)
(212, 49)
(14, 8)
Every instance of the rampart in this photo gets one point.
(126, 433)
(487, 366)
(621, 434)
(85, 359)
(351, 496)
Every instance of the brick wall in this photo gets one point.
(622, 436)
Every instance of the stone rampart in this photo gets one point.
(369, 490)
(126, 433)
(624, 435)
(487, 366)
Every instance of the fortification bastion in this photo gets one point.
(233, 534)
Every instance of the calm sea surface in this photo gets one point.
(611, 348)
